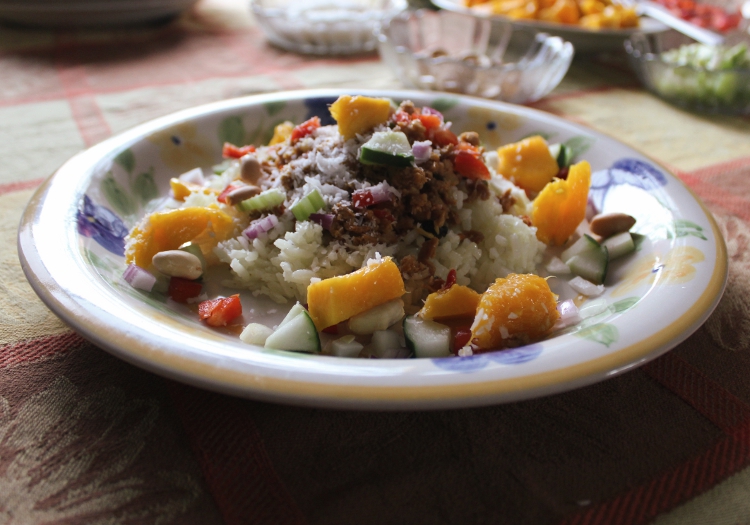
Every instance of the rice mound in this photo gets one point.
(282, 262)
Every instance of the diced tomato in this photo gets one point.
(221, 311)
(471, 166)
(443, 137)
(333, 330)
(230, 151)
(181, 290)
(383, 215)
(430, 121)
(229, 189)
(402, 117)
(461, 338)
(304, 129)
(450, 280)
(362, 199)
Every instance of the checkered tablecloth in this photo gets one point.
(86, 438)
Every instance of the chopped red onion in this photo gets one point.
(432, 111)
(568, 314)
(374, 194)
(195, 176)
(261, 225)
(324, 219)
(139, 278)
(421, 150)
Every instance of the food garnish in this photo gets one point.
(392, 235)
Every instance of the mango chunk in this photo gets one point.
(561, 205)
(167, 230)
(181, 189)
(359, 114)
(515, 310)
(527, 163)
(337, 299)
(281, 132)
(455, 302)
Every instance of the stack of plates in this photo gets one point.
(89, 13)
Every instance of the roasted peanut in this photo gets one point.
(250, 168)
(178, 263)
(608, 224)
(241, 194)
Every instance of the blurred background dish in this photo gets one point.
(692, 75)
(447, 51)
(324, 27)
(584, 39)
(89, 13)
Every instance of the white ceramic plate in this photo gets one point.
(71, 241)
(583, 40)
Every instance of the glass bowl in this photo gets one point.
(725, 91)
(324, 27)
(447, 51)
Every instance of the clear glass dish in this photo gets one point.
(324, 27)
(725, 91)
(446, 51)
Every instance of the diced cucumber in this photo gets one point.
(378, 318)
(387, 148)
(346, 346)
(584, 244)
(265, 201)
(296, 333)
(255, 334)
(427, 338)
(619, 245)
(193, 248)
(383, 342)
(308, 205)
(562, 154)
(591, 265)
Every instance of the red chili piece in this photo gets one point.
(402, 117)
(222, 198)
(362, 199)
(230, 151)
(461, 338)
(450, 280)
(221, 311)
(181, 290)
(304, 129)
(443, 137)
(430, 121)
(471, 166)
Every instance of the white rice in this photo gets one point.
(283, 262)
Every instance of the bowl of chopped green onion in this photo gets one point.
(712, 79)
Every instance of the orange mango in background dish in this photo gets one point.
(456, 301)
(527, 163)
(281, 132)
(339, 298)
(561, 205)
(167, 230)
(517, 309)
(359, 114)
(562, 11)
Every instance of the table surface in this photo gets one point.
(86, 438)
